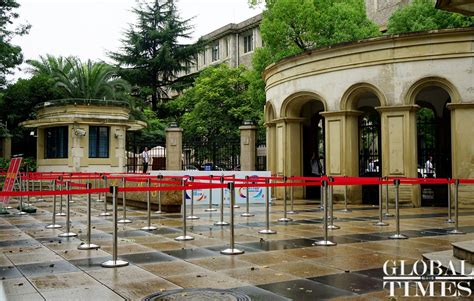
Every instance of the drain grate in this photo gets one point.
(198, 294)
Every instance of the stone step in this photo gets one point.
(464, 250)
(445, 257)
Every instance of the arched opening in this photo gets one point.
(433, 123)
(370, 142)
(313, 142)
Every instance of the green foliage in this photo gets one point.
(217, 104)
(422, 15)
(10, 55)
(151, 55)
(28, 164)
(155, 130)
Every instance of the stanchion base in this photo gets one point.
(330, 218)
(99, 201)
(192, 217)
(184, 237)
(9, 207)
(398, 236)
(450, 221)
(236, 206)
(291, 212)
(380, 224)
(456, 232)
(67, 234)
(61, 214)
(333, 227)
(247, 214)
(105, 214)
(88, 247)
(159, 212)
(124, 221)
(285, 220)
(22, 213)
(388, 215)
(53, 226)
(221, 224)
(326, 243)
(267, 231)
(40, 200)
(232, 252)
(345, 210)
(149, 228)
(210, 209)
(114, 264)
(71, 202)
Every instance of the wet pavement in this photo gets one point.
(35, 264)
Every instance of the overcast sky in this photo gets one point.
(90, 28)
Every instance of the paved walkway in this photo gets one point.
(37, 265)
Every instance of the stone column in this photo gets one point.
(6, 147)
(399, 149)
(174, 147)
(342, 150)
(462, 149)
(271, 147)
(247, 146)
(293, 149)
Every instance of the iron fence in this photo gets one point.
(215, 154)
(156, 154)
(261, 151)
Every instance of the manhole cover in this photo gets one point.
(201, 294)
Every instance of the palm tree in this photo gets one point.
(91, 80)
(49, 65)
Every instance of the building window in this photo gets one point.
(98, 142)
(215, 51)
(56, 142)
(248, 43)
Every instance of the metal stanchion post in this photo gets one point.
(232, 250)
(114, 263)
(184, 236)
(40, 199)
(456, 210)
(235, 205)
(53, 224)
(347, 210)
(210, 209)
(449, 221)
(160, 178)
(61, 213)
(247, 200)
(326, 242)
(97, 185)
(20, 210)
(124, 219)
(285, 219)
(192, 216)
(68, 232)
(267, 230)
(397, 212)
(105, 213)
(380, 222)
(292, 199)
(330, 199)
(387, 207)
(222, 222)
(88, 245)
(149, 227)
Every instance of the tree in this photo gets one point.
(50, 65)
(217, 104)
(422, 15)
(290, 27)
(10, 55)
(151, 55)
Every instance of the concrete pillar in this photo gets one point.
(271, 147)
(6, 147)
(174, 148)
(399, 149)
(342, 151)
(462, 149)
(248, 154)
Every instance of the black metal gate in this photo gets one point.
(434, 159)
(261, 151)
(370, 154)
(211, 154)
(156, 152)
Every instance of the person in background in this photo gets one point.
(371, 165)
(145, 159)
(429, 169)
(316, 167)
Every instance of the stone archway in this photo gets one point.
(304, 133)
(269, 114)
